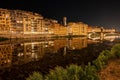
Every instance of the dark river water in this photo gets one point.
(17, 61)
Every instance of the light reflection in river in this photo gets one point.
(22, 53)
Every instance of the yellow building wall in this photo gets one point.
(78, 28)
(60, 30)
(4, 21)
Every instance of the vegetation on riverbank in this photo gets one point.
(83, 72)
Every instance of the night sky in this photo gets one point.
(103, 13)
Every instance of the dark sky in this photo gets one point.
(104, 13)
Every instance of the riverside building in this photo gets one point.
(25, 24)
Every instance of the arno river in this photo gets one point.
(17, 61)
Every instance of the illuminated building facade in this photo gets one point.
(59, 30)
(79, 28)
(17, 22)
(25, 24)
(5, 22)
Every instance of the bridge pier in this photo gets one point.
(101, 34)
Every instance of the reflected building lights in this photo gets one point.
(31, 51)
(5, 55)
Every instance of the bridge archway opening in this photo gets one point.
(93, 35)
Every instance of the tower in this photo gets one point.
(64, 21)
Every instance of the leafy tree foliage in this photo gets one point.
(35, 76)
(116, 50)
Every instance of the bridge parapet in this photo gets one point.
(109, 30)
(99, 30)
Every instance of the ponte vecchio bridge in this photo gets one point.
(100, 32)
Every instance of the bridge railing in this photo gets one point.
(109, 30)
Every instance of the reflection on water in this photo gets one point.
(32, 51)
(5, 55)
(18, 54)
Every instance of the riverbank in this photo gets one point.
(23, 40)
(112, 71)
(99, 70)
